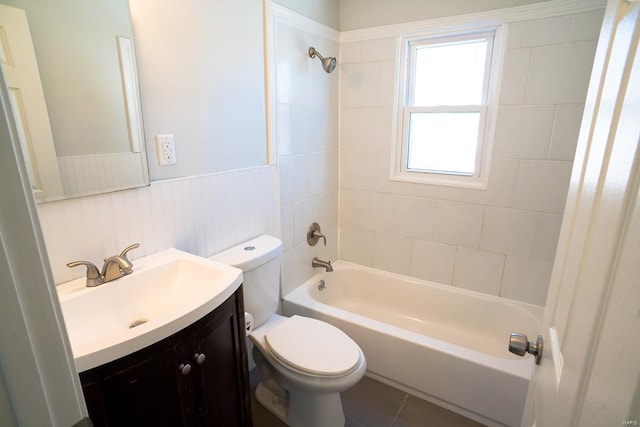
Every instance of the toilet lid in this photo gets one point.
(313, 346)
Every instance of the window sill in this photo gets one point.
(441, 180)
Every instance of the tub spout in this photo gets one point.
(324, 264)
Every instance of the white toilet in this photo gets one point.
(304, 363)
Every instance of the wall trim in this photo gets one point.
(210, 174)
(547, 9)
(37, 366)
(290, 17)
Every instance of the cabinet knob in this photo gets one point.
(199, 358)
(184, 368)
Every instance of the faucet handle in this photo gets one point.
(314, 234)
(123, 254)
(93, 274)
(319, 235)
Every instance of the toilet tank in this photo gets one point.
(259, 260)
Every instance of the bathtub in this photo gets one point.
(438, 342)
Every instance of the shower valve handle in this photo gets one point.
(320, 236)
(314, 234)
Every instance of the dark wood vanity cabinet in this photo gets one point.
(155, 387)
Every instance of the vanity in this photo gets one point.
(163, 346)
(196, 377)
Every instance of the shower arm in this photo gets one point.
(313, 53)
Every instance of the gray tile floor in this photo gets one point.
(371, 403)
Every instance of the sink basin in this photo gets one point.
(166, 292)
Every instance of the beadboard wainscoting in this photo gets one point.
(93, 174)
(201, 215)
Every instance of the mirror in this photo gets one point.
(71, 73)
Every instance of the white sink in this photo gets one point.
(165, 293)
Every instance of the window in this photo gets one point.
(447, 108)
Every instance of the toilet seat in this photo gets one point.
(313, 347)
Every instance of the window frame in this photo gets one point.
(487, 110)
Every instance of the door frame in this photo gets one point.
(589, 374)
(37, 367)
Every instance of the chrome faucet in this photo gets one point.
(114, 268)
(315, 262)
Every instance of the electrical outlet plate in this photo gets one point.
(165, 147)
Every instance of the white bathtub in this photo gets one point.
(440, 343)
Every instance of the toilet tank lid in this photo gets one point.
(249, 255)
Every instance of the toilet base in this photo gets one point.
(271, 402)
(303, 409)
(315, 410)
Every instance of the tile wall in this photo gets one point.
(306, 122)
(201, 215)
(499, 241)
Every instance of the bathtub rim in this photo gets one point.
(520, 367)
(535, 310)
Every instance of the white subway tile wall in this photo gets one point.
(459, 224)
(478, 270)
(433, 261)
(502, 240)
(201, 215)
(392, 253)
(515, 75)
(523, 131)
(307, 120)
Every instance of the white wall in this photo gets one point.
(210, 93)
(357, 14)
(202, 78)
(325, 12)
(306, 120)
(500, 241)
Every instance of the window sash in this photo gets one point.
(414, 45)
(408, 111)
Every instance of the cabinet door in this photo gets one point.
(152, 392)
(221, 381)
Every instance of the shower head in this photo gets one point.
(329, 63)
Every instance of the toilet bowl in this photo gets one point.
(304, 363)
(311, 362)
